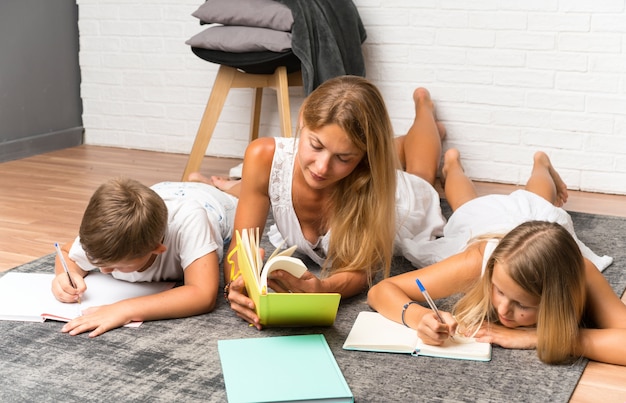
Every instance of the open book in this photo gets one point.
(280, 309)
(373, 332)
(27, 297)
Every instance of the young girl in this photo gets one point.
(537, 286)
(336, 191)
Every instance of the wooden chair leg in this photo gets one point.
(255, 119)
(221, 87)
(282, 96)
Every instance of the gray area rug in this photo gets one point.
(177, 360)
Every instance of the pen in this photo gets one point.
(64, 264)
(430, 301)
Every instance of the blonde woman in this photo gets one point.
(536, 287)
(337, 191)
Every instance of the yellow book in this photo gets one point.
(281, 309)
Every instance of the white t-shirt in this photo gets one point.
(200, 221)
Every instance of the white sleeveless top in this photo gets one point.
(418, 212)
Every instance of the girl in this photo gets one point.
(336, 191)
(536, 287)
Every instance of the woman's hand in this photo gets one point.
(282, 281)
(432, 331)
(522, 338)
(241, 304)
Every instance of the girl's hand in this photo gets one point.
(241, 304)
(100, 319)
(63, 290)
(519, 338)
(432, 331)
(282, 281)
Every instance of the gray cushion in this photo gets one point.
(248, 13)
(241, 39)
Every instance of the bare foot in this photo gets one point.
(421, 97)
(198, 177)
(219, 182)
(542, 158)
(224, 184)
(451, 160)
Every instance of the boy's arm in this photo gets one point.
(197, 296)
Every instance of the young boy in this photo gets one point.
(173, 231)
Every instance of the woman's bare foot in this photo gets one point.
(540, 158)
(421, 97)
(451, 160)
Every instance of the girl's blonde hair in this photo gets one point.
(543, 259)
(123, 220)
(362, 218)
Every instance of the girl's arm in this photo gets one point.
(347, 283)
(603, 345)
(452, 275)
(197, 296)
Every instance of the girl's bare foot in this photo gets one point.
(541, 158)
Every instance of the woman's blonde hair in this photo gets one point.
(123, 220)
(362, 221)
(543, 259)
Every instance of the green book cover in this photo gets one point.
(282, 369)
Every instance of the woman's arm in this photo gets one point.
(254, 203)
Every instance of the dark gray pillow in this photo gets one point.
(241, 39)
(248, 13)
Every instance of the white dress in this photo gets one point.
(494, 214)
(200, 221)
(418, 212)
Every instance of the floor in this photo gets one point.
(42, 199)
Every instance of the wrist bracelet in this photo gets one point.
(404, 308)
(226, 290)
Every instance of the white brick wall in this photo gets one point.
(508, 78)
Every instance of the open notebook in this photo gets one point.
(28, 297)
(373, 332)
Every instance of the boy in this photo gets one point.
(174, 231)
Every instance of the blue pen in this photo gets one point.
(430, 301)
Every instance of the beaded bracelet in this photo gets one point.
(404, 308)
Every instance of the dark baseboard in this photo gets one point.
(41, 143)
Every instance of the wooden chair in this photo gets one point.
(256, 76)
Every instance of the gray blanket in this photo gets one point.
(326, 36)
(177, 360)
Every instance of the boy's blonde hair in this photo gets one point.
(362, 212)
(123, 220)
(543, 259)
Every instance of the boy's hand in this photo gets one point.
(100, 319)
(63, 290)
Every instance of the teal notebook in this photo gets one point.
(282, 369)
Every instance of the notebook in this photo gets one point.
(282, 369)
(281, 309)
(27, 297)
(373, 332)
